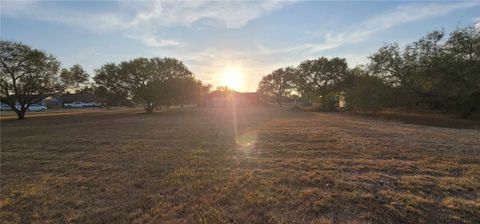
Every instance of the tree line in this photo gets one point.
(30, 75)
(436, 72)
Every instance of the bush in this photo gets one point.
(327, 103)
(470, 105)
(368, 93)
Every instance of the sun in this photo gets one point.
(232, 78)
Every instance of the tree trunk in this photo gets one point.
(149, 109)
(21, 115)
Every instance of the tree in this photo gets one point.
(319, 77)
(365, 92)
(277, 85)
(111, 88)
(156, 81)
(205, 89)
(463, 50)
(73, 78)
(433, 73)
(413, 72)
(153, 82)
(27, 75)
(185, 90)
(223, 89)
(388, 63)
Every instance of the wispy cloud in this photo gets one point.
(38, 10)
(401, 15)
(477, 23)
(232, 14)
(146, 17)
(363, 30)
(158, 15)
(151, 40)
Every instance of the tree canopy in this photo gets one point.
(434, 72)
(74, 78)
(317, 77)
(153, 82)
(277, 85)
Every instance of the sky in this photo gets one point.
(216, 39)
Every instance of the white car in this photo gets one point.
(33, 107)
(5, 107)
(36, 107)
(76, 104)
(92, 104)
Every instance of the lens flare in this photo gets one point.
(232, 78)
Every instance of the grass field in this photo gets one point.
(269, 165)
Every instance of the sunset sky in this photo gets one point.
(248, 39)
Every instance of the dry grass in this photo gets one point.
(191, 166)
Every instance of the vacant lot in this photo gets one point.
(257, 165)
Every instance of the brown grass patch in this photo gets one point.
(279, 166)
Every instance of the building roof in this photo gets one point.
(35, 97)
(81, 96)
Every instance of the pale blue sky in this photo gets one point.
(252, 36)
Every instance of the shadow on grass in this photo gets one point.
(436, 120)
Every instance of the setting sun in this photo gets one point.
(232, 78)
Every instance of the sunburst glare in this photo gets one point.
(232, 78)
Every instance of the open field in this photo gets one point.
(269, 165)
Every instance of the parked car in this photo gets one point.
(36, 107)
(76, 104)
(5, 107)
(32, 107)
(92, 104)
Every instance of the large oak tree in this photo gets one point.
(277, 85)
(153, 82)
(27, 76)
(319, 77)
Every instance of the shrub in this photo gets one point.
(368, 93)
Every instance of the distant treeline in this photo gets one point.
(434, 73)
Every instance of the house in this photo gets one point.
(35, 98)
(340, 101)
(220, 98)
(53, 101)
(83, 96)
(57, 101)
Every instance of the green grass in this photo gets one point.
(277, 166)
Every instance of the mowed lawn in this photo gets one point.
(252, 165)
